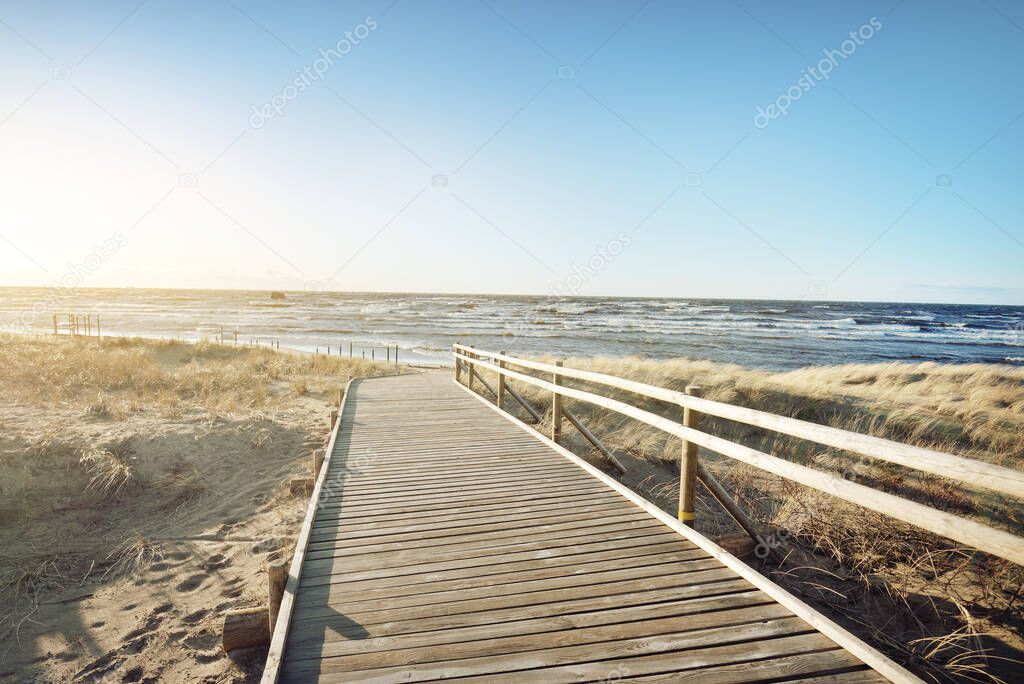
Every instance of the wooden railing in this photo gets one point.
(968, 471)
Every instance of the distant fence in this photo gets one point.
(76, 324)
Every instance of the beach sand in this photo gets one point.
(138, 482)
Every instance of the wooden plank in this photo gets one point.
(468, 525)
(405, 575)
(424, 549)
(366, 615)
(503, 534)
(357, 510)
(601, 636)
(337, 596)
(674, 642)
(762, 661)
(384, 566)
(511, 580)
(440, 520)
(357, 515)
(334, 643)
(326, 629)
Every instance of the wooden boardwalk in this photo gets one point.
(450, 543)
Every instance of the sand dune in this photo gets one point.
(137, 479)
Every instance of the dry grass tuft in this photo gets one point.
(112, 469)
(133, 556)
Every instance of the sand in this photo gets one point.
(131, 585)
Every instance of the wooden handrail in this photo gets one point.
(968, 471)
(968, 532)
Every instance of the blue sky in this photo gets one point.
(589, 147)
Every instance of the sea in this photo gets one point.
(771, 335)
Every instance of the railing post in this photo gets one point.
(556, 408)
(458, 362)
(688, 464)
(501, 384)
(471, 368)
(277, 577)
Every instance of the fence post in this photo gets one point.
(472, 368)
(458, 362)
(277, 577)
(688, 464)
(501, 384)
(556, 408)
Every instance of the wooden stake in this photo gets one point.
(534, 413)
(458, 366)
(590, 437)
(245, 628)
(688, 464)
(501, 385)
(556, 407)
(729, 504)
(277, 576)
(318, 462)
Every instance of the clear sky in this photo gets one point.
(602, 148)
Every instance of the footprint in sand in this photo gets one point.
(192, 582)
(97, 669)
(134, 675)
(232, 592)
(205, 646)
(216, 562)
(194, 617)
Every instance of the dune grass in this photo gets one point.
(104, 444)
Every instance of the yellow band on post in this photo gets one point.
(687, 515)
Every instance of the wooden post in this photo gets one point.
(458, 363)
(350, 350)
(245, 628)
(501, 384)
(472, 368)
(334, 417)
(556, 408)
(688, 464)
(396, 354)
(277, 576)
(318, 462)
